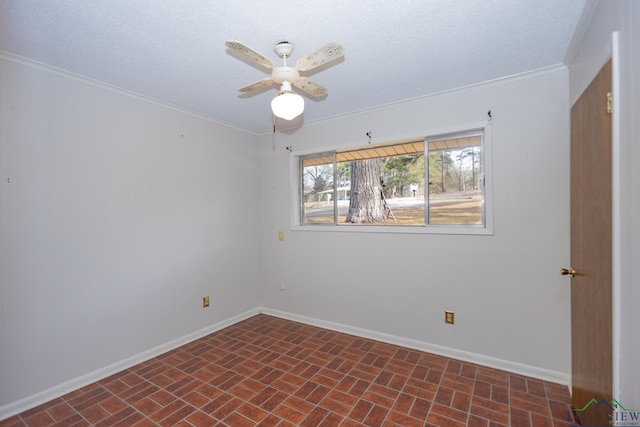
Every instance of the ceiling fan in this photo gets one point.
(287, 104)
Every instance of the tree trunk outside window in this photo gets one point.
(366, 204)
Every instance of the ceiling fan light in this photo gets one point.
(287, 105)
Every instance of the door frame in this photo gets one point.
(616, 233)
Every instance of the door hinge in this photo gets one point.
(609, 102)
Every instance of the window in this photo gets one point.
(434, 182)
(456, 180)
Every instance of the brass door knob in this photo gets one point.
(568, 271)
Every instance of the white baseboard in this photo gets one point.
(492, 362)
(77, 383)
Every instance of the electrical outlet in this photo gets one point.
(449, 317)
(281, 235)
(205, 301)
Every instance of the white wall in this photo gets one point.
(511, 304)
(117, 215)
(593, 51)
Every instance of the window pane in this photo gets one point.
(317, 194)
(456, 181)
(387, 183)
(344, 189)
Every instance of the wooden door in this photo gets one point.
(591, 234)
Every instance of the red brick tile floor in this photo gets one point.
(266, 371)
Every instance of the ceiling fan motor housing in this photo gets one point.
(281, 74)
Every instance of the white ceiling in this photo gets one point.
(173, 50)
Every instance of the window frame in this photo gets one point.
(297, 190)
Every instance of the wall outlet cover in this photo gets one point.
(449, 317)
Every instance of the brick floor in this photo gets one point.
(266, 371)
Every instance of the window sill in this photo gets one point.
(398, 229)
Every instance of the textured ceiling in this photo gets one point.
(174, 51)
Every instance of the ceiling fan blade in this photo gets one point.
(310, 87)
(257, 85)
(321, 56)
(250, 53)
